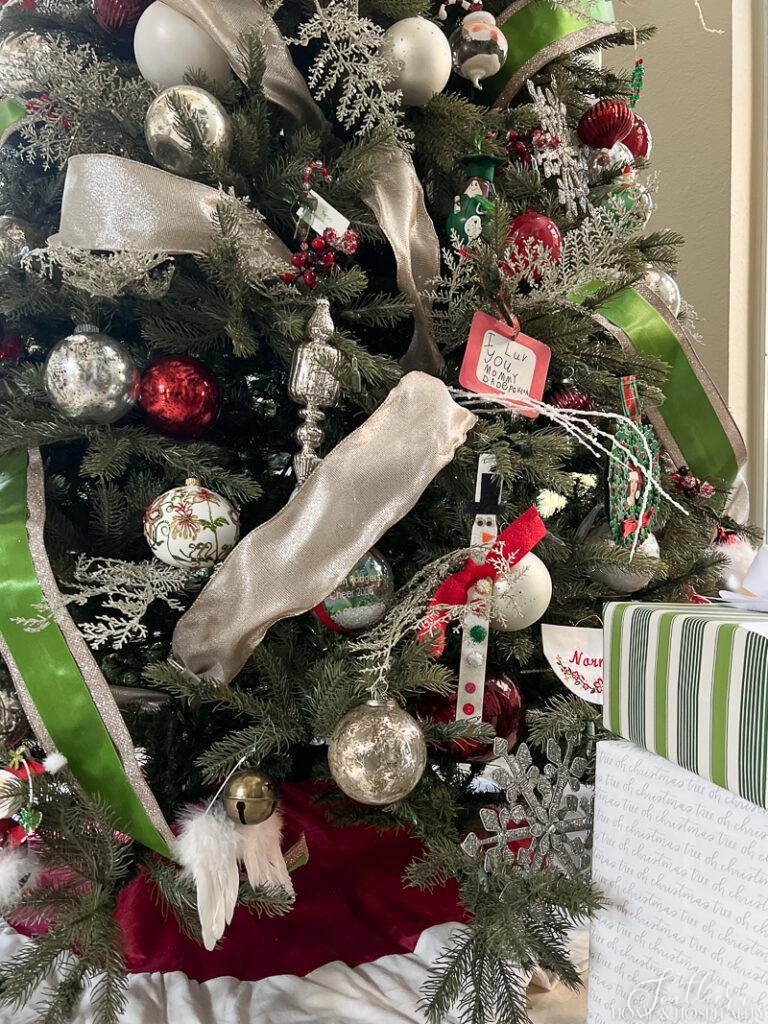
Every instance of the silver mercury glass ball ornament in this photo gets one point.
(665, 287)
(91, 377)
(21, 55)
(171, 149)
(16, 232)
(618, 578)
(479, 47)
(377, 753)
(613, 159)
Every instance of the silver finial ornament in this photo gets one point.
(314, 383)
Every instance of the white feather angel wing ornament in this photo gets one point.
(209, 848)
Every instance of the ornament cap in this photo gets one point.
(381, 702)
(86, 329)
(192, 481)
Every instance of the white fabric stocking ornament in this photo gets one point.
(210, 847)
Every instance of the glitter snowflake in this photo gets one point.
(547, 808)
(557, 156)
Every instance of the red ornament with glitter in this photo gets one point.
(502, 710)
(526, 232)
(119, 15)
(570, 396)
(180, 396)
(605, 124)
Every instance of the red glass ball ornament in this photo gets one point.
(180, 396)
(639, 141)
(570, 396)
(11, 348)
(605, 124)
(119, 15)
(527, 228)
(502, 709)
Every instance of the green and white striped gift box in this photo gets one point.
(690, 682)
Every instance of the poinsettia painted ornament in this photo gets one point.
(465, 224)
(605, 124)
(529, 233)
(119, 15)
(180, 396)
(502, 710)
(191, 527)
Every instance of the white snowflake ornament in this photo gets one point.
(191, 527)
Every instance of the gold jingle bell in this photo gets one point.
(250, 797)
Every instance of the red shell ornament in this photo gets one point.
(639, 141)
(605, 124)
(180, 396)
(119, 15)
(502, 709)
(532, 227)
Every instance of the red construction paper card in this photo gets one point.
(499, 361)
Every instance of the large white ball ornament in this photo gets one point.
(421, 58)
(191, 527)
(377, 753)
(617, 578)
(739, 554)
(167, 45)
(520, 602)
(665, 287)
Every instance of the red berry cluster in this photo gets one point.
(317, 258)
(522, 145)
(314, 165)
(689, 485)
(43, 105)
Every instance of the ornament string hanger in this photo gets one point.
(579, 424)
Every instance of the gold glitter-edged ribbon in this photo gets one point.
(288, 565)
(396, 198)
(64, 695)
(116, 204)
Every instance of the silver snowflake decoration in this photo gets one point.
(554, 152)
(549, 808)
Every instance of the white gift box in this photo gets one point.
(685, 866)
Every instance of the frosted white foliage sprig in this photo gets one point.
(146, 275)
(126, 590)
(91, 107)
(350, 60)
(563, 161)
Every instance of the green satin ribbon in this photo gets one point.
(50, 673)
(687, 410)
(11, 111)
(539, 25)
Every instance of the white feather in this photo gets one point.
(259, 850)
(18, 869)
(54, 762)
(207, 848)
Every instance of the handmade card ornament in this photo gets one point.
(465, 224)
(501, 360)
(575, 655)
(291, 563)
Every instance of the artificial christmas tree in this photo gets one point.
(299, 254)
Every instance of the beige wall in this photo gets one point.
(687, 102)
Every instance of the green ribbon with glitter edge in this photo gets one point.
(11, 112)
(51, 675)
(535, 27)
(686, 410)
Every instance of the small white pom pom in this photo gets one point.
(54, 762)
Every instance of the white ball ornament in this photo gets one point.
(615, 577)
(739, 554)
(191, 527)
(421, 59)
(520, 602)
(665, 287)
(167, 45)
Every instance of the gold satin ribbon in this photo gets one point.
(396, 199)
(360, 490)
(116, 204)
